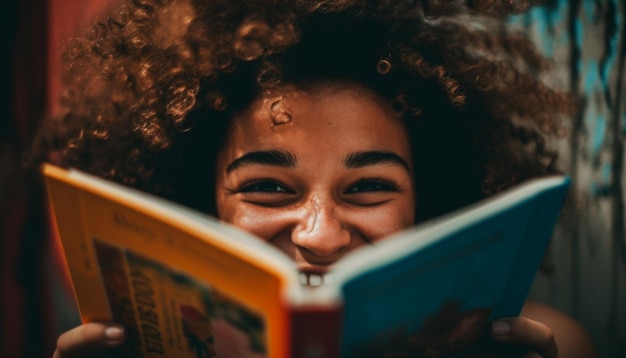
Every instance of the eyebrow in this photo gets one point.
(266, 157)
(363, 159)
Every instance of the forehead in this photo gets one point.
(344, 115)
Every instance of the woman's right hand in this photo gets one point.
(89, 339)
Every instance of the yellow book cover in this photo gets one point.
(168, 277)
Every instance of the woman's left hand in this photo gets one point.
(545, 332)
(524, 332)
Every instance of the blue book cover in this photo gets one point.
(472, 265)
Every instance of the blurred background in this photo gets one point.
(585, 40)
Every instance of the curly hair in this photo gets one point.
(150, 89)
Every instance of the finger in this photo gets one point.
(526, 332)
(88, 339)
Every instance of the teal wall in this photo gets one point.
(586, 41)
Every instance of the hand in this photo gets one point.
(524, 332)
(89, 339)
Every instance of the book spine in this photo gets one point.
(315, 332)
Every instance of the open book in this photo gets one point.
(186, 285)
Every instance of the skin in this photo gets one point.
(323, 203)
(315, 204)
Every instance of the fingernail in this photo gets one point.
(500, 328)
(114, 333)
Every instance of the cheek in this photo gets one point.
(257, 221)
(375, 224)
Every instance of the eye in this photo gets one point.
(264, 186)
(372, 185)
(266, 192)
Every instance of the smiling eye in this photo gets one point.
(365, 186)
(263, 186)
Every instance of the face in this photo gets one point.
(337, 176)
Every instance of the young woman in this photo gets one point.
(319, 126)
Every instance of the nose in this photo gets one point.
(320, 230)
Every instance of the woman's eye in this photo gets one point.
(263, 186)
(372, 186)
